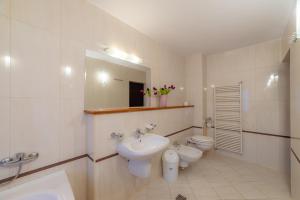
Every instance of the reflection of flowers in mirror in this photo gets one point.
(158, 91)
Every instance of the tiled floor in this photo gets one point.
(217, 177)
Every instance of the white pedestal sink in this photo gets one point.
(139, 152)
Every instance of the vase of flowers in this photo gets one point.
(162, 93)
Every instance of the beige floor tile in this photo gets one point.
(217, 177)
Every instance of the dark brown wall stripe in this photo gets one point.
(177, 132)
(107, 157)
(267, 134)
(197, 127)
(45, 168)
(294, 153)
(115, 154)
(171, 134)
(295, 138)
(90, 158)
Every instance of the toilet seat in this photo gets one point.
(187, 154)
(204, 143)
(202, 139)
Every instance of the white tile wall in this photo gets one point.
(42, 108)
(110, 178)
(101, 126)
(194, 86)
(265, 108)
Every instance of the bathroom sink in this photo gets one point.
(139, 152)
(142, 148)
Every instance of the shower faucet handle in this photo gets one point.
(18, 158)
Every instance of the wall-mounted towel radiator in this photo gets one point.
(228, 118)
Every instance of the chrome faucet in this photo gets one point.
(116, 135)
(139, 133)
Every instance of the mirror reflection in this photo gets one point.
(114, 83)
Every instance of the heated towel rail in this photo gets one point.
(228, 118)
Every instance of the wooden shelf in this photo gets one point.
(131, 109)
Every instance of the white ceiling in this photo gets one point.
(207, 26)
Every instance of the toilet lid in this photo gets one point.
(202, 139)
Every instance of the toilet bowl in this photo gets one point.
(186, 154)
(203, 143)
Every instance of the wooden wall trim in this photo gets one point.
(136, 109)
(45, 168)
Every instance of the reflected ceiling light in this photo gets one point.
(272, 78)
(181, 88)
(212, 86)
(68, 70)
(7, 60)
(103, 77)
(117, 53)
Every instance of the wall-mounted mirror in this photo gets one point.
(114, 83)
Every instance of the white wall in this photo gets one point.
(265, 107)
(194, 85)
(41, 108)
(110, 178)
(295, 116)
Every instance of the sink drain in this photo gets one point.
(180, 197)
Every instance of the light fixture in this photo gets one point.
(117, 53)
(103, 77)
(68, 70)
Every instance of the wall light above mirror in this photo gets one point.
(113, 79)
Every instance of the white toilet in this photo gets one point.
(204, 143)
(186, 154)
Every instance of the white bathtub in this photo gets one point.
(55, 186)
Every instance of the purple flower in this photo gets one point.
(154, 88)
(155, 93)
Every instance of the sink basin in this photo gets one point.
(142, 148)
(55, 186)
(139, 152)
